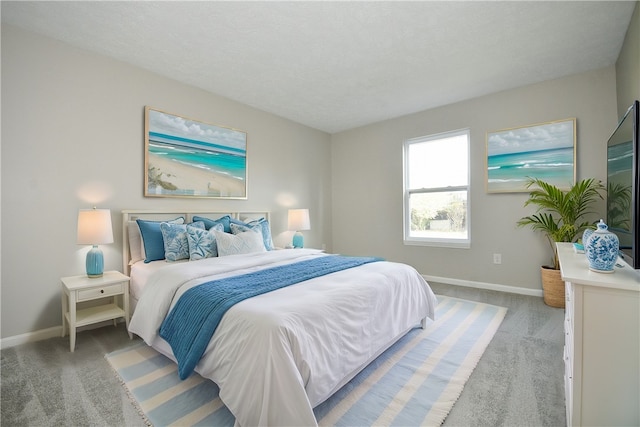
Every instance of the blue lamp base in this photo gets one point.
(95, 262)
(298, 240)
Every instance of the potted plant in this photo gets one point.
(560, 216)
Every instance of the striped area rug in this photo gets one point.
(415, 382)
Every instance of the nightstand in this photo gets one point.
(76, 289)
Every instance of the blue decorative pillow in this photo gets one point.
(152, 238)
(208, 223)
(241, 243)
(202, 243)
(260, 224)
(176, 246)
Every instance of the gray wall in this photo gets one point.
(628, 65)
(72, 137)
(367, 180)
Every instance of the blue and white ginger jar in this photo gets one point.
(602, 248)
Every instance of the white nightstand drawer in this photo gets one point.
(104, 291)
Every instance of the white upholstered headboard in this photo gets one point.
(159, 215)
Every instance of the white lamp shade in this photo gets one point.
(299, 219)
(94, 227)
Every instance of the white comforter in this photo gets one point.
(278, 355)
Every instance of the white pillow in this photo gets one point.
(261, 224)
(136, 250)
(242, 243)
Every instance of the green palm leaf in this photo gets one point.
(560, 215)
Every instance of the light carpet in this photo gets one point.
(415, 382)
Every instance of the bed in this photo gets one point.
(275, 355)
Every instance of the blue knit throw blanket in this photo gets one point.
(191, 323)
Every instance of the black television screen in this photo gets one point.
(623, 213)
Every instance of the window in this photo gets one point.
(436, 190)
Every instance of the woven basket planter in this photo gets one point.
(552, 287)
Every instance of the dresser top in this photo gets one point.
(575, 268)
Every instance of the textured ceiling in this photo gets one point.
(339, 65)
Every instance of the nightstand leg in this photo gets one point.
(125, 303)
(72, 322)
(114, 300)
(65, 308)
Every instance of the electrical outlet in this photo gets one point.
(497, 258)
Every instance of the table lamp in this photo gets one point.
(94, 228)
(298, 220)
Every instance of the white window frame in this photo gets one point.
(433, 241)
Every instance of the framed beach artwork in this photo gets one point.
(545, 151)
(188, 158)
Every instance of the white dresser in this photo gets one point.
(602, 343)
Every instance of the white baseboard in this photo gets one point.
(42, 334)
(482, 285)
